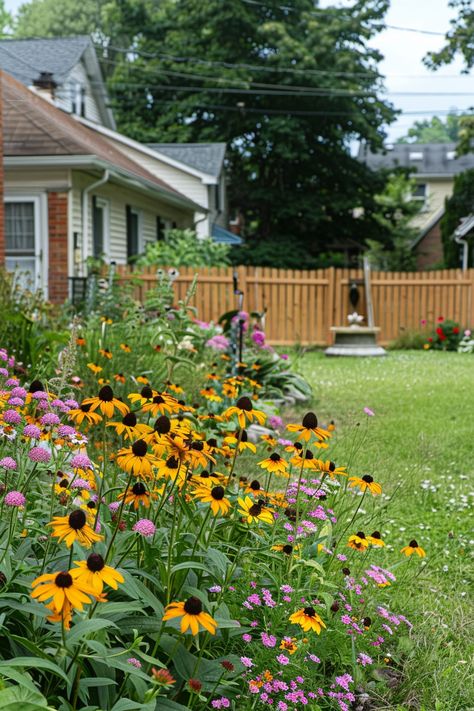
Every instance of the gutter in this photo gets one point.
(465, 251)
(85, 216)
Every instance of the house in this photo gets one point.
(71, 194)
(434, 167)
(197, 170)
(68, 65)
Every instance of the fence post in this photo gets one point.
(242, 277)
(329, 312)
(471, 298)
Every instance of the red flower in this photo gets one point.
(440, 332)
(440, 318)
(456, 330)
(430, 340)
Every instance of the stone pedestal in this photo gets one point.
(355, 341)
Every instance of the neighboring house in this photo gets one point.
(69, 65)
(197, 170)
(433, 166)
(71, 194)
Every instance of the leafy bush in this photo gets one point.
(445, 336)
(183, 248)
(466, 344)
(409, 339)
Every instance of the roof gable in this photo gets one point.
(33, 126)
(204, 157)
(426, 159)
(24, 59)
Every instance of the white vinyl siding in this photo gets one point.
(66, 93)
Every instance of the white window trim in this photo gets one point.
(104, 204)
(41, 234)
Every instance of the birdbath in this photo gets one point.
(355, 339)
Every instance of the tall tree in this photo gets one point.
(287, 87)
(59, 18)
(459, 205)
(433, 130)
(5, 20)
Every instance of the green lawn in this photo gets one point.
(420, 447)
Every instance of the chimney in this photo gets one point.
(2, 233)
(45, 85)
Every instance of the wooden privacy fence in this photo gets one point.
(301, 305)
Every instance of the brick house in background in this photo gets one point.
(434, 167)
(69, 195)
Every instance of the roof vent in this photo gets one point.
(45, 84)
(450, 155)
(415, 155)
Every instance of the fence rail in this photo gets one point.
(301, 306)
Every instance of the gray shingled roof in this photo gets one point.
(205, 157)
(24, 59)
(423, 158)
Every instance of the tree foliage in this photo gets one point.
(59, 18)
(182, 248)
(5, 19)
(434, 130)
(459, 205)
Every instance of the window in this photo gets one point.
(160, 228)
(420, 194)
(21, 240)
(217, 197)
(134, 238)
(100, 227)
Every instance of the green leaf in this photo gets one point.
(128, 705)
(193, 565)
(15, 698)
(163, 704)
(85, 627)
(140, 623)
(35, 663)
(97, 681)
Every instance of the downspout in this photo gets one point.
(85, 216)
(465, 250)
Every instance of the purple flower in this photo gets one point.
(4, 372)
(40, 395)
(18, 392)
(258, 337)
(11, 382)
(145, 527)
(66, 431)
(60, 405)
(218, 343)
(268, 640)
(71, 404)
(215, 589)
(134, 662)
(114, 506)
(38, 454)
(81, 461)
(275, 422)
(15, 498)
(364, 659)
(222, 703)
(32, 431)
(8, 463)
(247, 662)
(247, 637)
(12, 417)
(50, 418)
(284, 356)
(16, 402)
(344, 681)
(81, 484)
(369, 412)
(283, 659)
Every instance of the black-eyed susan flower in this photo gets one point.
(161, 404)
(413, 547)
(330, 468)
(308, 428)
(285, 548)
(105, 353)
(289, 644)
(95, 368)
(106, 402)
(210, 417)
(171, 468)
(254, 488)
(358, 541)
(274, 463)
(145, 395)
(192, 616)
(307, 619)
(74, 528)
(125, 348)
(136, 459)
(306, 459)
(213, 495)
(240, 438)
(243, 410)
(252, 511)
(66, 593)
(129, 426)
(364, 483)
(83, 412)
(210, 394)
(136, 495)
(376, 539)
(80, 341)
(93, 573)
(119, 378)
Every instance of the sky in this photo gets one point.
(409, 83)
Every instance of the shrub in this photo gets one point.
(445, 336)
(183, 248)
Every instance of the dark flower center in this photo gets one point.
(376, 534)
(63, 580)
(204, 474)
(85, 408)
(90, 504)
(309, 455)
(63, 483)
(172, 463)
(130, 419)
(146, 392)
(198, 446)
(275, 457)
(255, 509)
(310, 421)
(367, 621)
(212, 442)
(139, 448)
(332, 466)
(139, 489)
(106, 394)
(217, 493)
(368, 479)
(309, 611)
(243, 435)
(298, 445)
(36, 386)
(162, 425)
(413, 544)
(360, 534)
(287, 549)
(77, 519)
(95, 562)
(158, 400)
(346, 571)
(255, 485)
(193, 606)
(245, 403)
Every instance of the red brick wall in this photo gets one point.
(2, 233)
(58, 244)
(429, 252)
